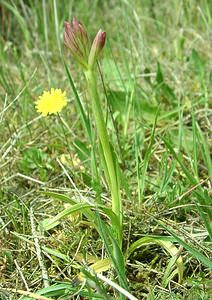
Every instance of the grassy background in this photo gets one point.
(157, 60)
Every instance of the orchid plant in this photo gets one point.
(76, 40)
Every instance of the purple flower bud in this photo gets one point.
(96, 47)
(79, 29)
(76, 39)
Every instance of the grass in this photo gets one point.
(156, 90)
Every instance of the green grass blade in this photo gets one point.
(205, 213)
(84, 118)
(204, 146)
(193, 251)
(146, 159)
(20, 20)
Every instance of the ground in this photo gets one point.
(155, 86)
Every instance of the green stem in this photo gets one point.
(109, 158)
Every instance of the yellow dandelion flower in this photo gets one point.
(51, 102)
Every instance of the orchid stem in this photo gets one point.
(110, 166)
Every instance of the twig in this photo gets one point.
(38, 251)
(191, 189)
(21, 274)
(4, 226)
(26, 293)
(116, 286)
(72, 182)
(23, 176)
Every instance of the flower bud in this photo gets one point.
(79, 29)
(76, 39)
(96, 47)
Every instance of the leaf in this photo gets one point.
(85, 208)
(114, 253)
(61, 197)
(74, 208)
(56, 290)
(98, 267)
(87, 212)
(194, 252)
(170, 248)
(55, 253)
(45, 223)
